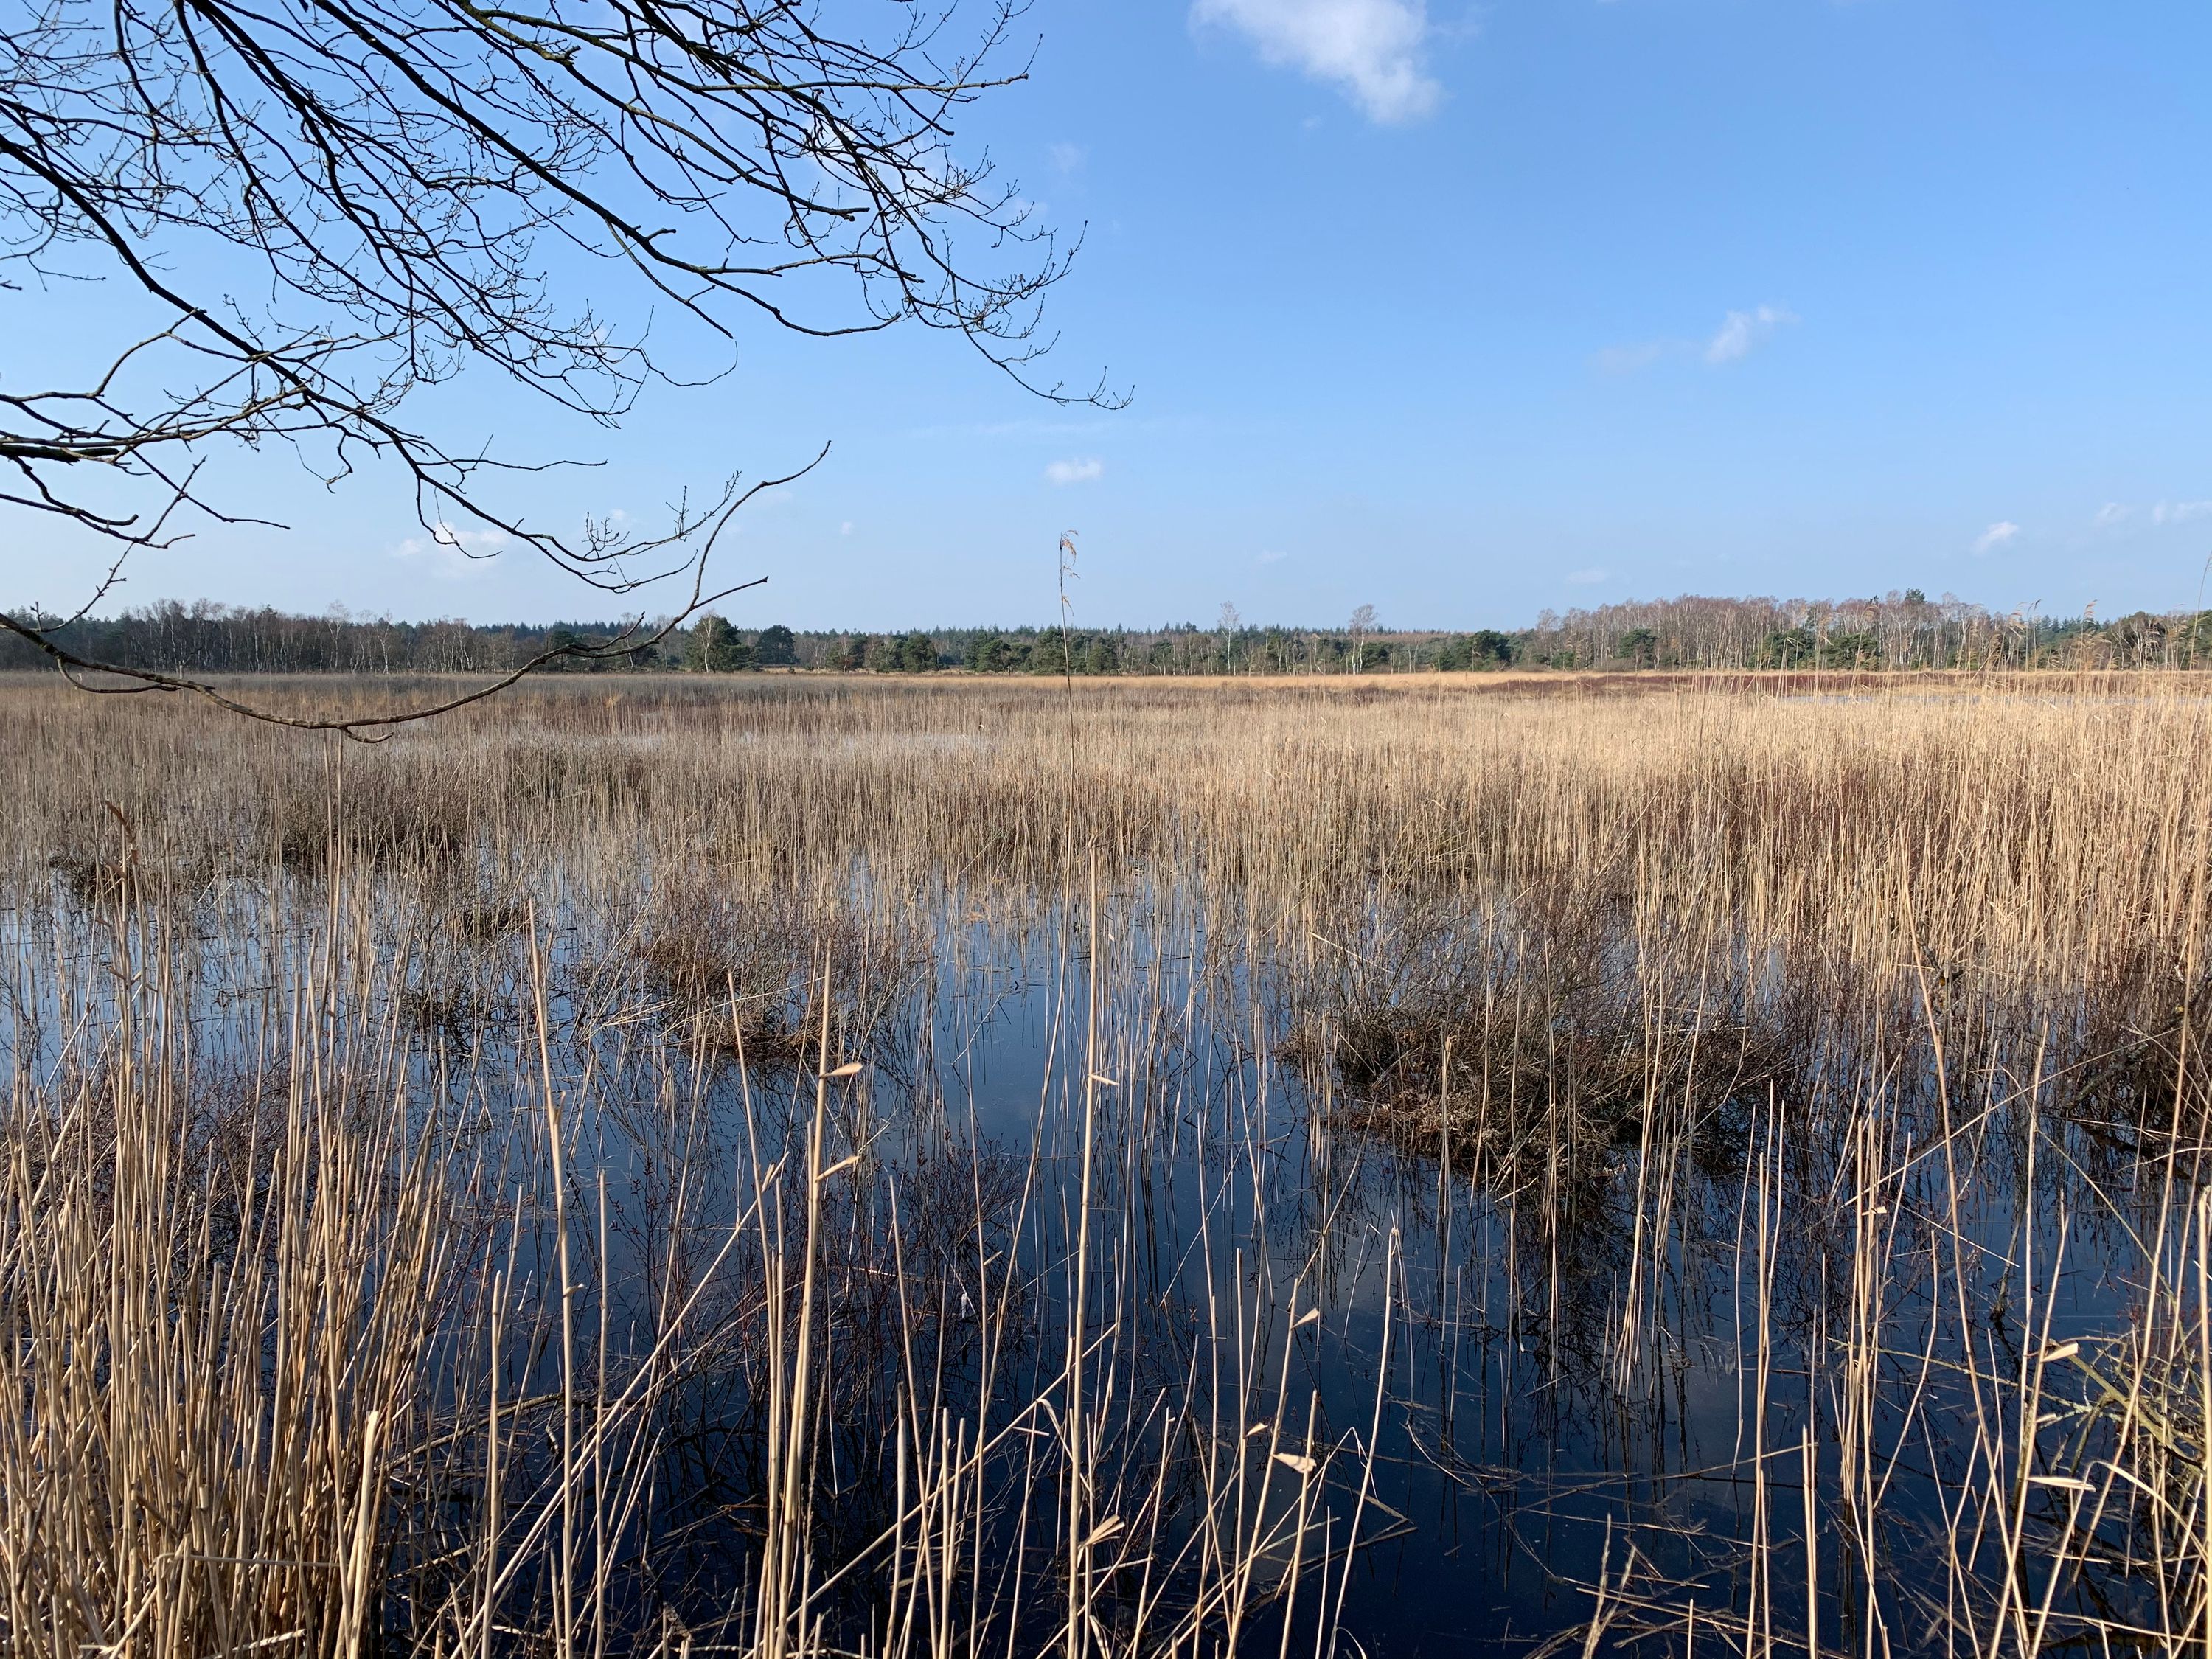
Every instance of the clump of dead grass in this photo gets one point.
(743, 970)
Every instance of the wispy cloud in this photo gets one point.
(1742, 332)
(1066, 158)
(1629, 359)
(1373, 49)
(2115, 515)
(845, 528)
(1270, 558)
(1995, 536)
(1588, 578)
(1088, 470)
(452, 552)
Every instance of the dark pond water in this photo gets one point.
(1419, 1405)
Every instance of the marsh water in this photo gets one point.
(1342, 1384)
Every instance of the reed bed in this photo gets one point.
(521, 1188)
(2043, 837)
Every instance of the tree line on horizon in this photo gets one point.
(1899, 631)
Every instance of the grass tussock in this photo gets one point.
(735, 970)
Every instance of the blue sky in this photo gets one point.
(1465, 312)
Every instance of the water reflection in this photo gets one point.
(1182, 1326)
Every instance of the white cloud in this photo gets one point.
(1066, 157)
(2112, 514)
(1371, 49)
(1271, 558)
(1088, 470)
(1586, 578)
(2179, 511)
(1742, 332)
(1995, 536)
(846, 528)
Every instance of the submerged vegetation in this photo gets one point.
(805, 1166)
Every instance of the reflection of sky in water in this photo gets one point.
(1508, 1467)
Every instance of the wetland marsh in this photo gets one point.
(821, 1166)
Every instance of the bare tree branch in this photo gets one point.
(373, 729)
(417, 182)
(376, 728)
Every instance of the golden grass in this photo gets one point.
(2047, 838)
(1639, 964)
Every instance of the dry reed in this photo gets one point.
(326, 1335)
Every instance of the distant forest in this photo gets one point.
(1906, 630)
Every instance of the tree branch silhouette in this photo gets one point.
(410, 187)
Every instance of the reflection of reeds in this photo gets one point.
(317, 1357)
(440, 1299)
